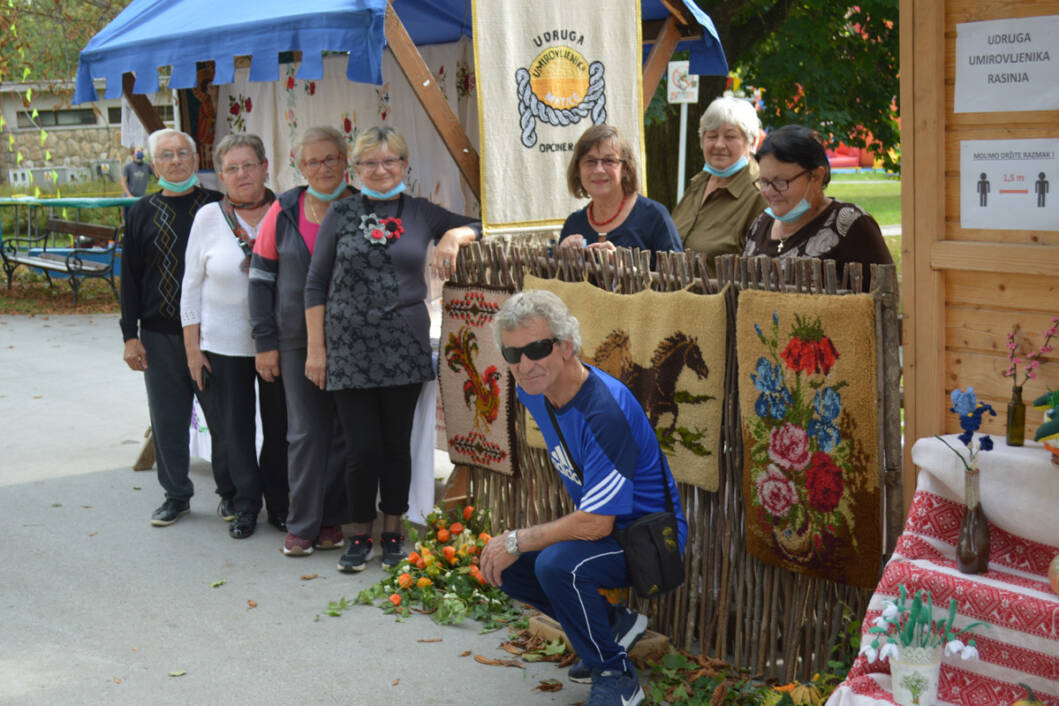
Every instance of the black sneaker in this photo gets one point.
(243, 525)
(170, 511)
(392, 552)
(357, 554)
(226, 509)
(628, 627)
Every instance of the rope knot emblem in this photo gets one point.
(560, 88)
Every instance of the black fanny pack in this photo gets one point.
(651, 543)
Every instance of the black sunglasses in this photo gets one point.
(534, 351)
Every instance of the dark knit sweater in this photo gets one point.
(152, 260)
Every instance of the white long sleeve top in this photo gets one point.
(215, 292)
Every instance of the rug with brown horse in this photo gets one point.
(668, 348)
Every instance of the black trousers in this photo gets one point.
(378, 426)
(169, 395)
(231, 396)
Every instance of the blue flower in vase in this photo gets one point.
(775, 398)
(970, 411)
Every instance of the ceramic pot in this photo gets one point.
(915, 674)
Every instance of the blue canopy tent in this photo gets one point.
(149, 34)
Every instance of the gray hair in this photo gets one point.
(734, 111)
(521, 307)
(155, 137)
(374, 137)
(237, 139)
(320, 133)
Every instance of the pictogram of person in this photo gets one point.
(1040, 187)
(983, 190)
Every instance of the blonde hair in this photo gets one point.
(374, 137)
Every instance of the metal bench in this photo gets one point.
(34, 252)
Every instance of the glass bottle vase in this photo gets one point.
(972, 551)
(1016, 431)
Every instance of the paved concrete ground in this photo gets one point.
(98, 607)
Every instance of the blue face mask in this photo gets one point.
(178, 187)
(372, 193)
(725, 173)
(795, 213)
(339, 190)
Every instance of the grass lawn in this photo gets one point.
(30, 294)
(878, 194)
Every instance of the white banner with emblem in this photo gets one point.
(547, 71)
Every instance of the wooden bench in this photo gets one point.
(17, 251)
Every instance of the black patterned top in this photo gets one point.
(843, 232)
(376, 324)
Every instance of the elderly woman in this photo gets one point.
(800, 220)
(722, 201)
(368, 328)
(604, 170)
(215, 313)
(316, 452)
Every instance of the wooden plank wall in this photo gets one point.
(963, 289)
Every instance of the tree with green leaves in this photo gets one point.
(827, 65)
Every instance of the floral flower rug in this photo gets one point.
(808, 399)
(668, 348)
(477, 391)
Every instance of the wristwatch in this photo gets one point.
(511, 542)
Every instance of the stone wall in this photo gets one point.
(78, 148)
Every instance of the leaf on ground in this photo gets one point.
(310, 577)
(548, 685)
(568, 660)
(395, 682)
(511, 649)
(87, 507)
(136, 487)
(116, 680)
(92, 534)
(38, 397)
(482, 659)
(177, 673)
(251, 604)
(56, 504)
(465, 653)
(218, 582)
(430, 639)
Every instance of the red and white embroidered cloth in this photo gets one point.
(1019, 491)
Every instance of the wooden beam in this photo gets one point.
(923, 116)
(995, 257)
(433, 100)
(650, 29)
(661, 53)
(146, 112)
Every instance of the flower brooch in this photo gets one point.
(380, 231)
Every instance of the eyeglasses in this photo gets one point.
(314, 164)
(779, 185)
(608, 163)
(168, 156)
(373, 164)
(533, 351)
(233, 169)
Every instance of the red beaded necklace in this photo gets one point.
(596, 223)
